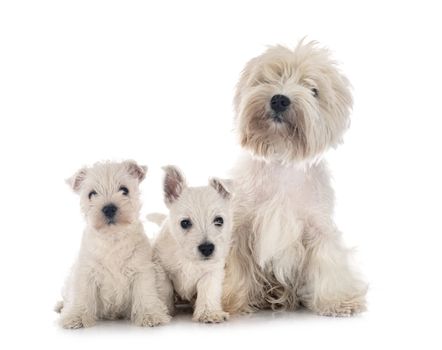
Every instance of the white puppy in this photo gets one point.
(191, 248)
(291, 106)
(114, 275)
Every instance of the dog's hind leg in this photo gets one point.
(81, 308)
(331, 287)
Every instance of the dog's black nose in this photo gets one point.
(109, 210)
(279, 103)
(206, 249)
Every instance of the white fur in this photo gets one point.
(286, 250)
(181, 268)
(113, 276)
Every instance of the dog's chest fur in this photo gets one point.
(115, 264)
(185, 277)
(278, 202)
(184, 272)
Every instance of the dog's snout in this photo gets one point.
(206, 249)
(109, 210)
(279, 103)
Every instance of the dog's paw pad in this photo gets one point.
(212, 317)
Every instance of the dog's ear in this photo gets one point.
(135, 170)
(223, 187)
(174, 183)
(77, 179)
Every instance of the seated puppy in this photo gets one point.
(191, 248)
(114, 276)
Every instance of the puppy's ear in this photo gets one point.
(222, 187)
(77, 179)
(174, 183)
(135, 170)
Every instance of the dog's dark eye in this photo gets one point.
(91, 194)
(124, 190)
(218, 221)
(186, 224)
(315, 92)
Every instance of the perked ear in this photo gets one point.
(174, 183)
(221, 186)
(135, 170)
(77, 179)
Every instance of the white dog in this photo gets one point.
(114, 276)
(192, 245)
(291, 106)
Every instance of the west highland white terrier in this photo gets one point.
(291, 107)
(113, 276)
(191, 248)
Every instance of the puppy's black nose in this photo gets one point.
(279, 103)
(109, 210)
(206, 249)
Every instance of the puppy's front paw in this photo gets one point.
(152, 319)
(211, 316)
(75, 321)
(343, 308)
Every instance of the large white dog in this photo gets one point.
(291, 105)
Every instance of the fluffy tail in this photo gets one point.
(156, 218)
(58, 306)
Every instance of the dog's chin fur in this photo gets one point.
(286, 250)
(113, 230)
(106, 227)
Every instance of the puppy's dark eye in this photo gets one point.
(315, 92)
(124, 190)
(218, 221)
(91, 194)
(186, 224)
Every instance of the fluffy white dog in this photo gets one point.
(192, 245)
(291, 106)
(114, 276)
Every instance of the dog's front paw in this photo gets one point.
(152, 319)
(343, 308)
(207, 316)
(75, 321)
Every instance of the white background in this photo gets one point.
(82, 81)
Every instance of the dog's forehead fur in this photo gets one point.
(306, 61)
(200, 203)
(108, 177)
